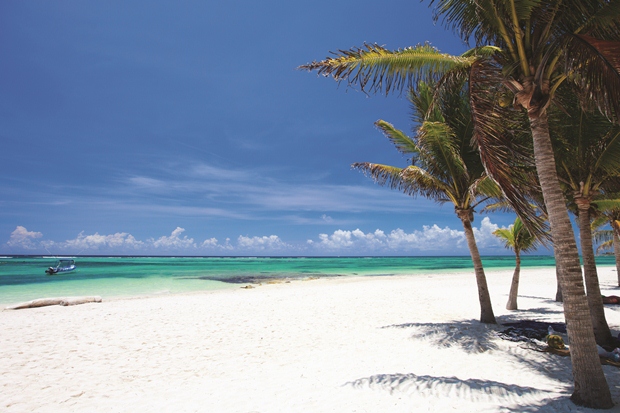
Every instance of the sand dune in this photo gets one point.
(375, 344)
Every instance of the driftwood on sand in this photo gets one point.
(42, 302)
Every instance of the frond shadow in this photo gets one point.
(480, 390)
(475, 337)
(472, 336)
(518, 315)
(543, 299)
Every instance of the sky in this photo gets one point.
(185, 128)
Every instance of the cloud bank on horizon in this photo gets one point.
(429, 240)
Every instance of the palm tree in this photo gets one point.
(519, 239)
(541, 45)
(445, 168)
(609, 213)
(587, 149)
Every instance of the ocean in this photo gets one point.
(24, 278)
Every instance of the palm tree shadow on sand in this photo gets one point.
(474, 337)
(482, 391)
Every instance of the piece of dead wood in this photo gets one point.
(566, 352)
(65, 301)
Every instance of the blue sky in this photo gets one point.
(183, 127)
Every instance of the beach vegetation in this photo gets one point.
(539, 47)
(518, 239)
(587, 150)
(608, 239)
(444, 166)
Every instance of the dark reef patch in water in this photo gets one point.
(259, 279)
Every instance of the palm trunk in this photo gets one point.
(591, 388)
(617, 255)
(595, 299)
(514, 286)
(486, 309)
(558, 292)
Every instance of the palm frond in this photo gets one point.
(609, 160)
(506, 236)
(404, 144)
(381, 174)
(524, 239)
(605, 205)
(488, 187)
(439, 152)
(376, 69)
(605, 21)
(517, 237)
(586, 144)
(526, 8)
(602, 236)
(598, 222)
(596, 67)
(416, 180)
(481, 19)
(422, 103)
(482, 51)
(501, 135)
(605, 246)
(411, 180)
(500, 206)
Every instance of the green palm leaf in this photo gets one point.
(440, 150)
(403, 143)
(375, 68)
(517, 237)
(605, 246)
(607, 204)
(381, 174)
(609, 160)
(416, 180)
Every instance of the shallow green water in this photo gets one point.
(24, 278)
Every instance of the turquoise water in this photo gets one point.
(24, 278)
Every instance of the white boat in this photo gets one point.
(62, 265)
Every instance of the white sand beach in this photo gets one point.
(372, 344)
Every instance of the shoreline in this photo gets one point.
(396, 344)
(24, 280)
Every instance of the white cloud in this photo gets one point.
(211, 242)
(272, 242)
(174, 241)
(121, 242)
(430, 238)
(22, 238)
(118, 241)
(484, 234)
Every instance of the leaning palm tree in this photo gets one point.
(444, 167)
(540, 46)
(587, 150)
(519, 239)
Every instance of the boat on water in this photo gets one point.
(62, 265)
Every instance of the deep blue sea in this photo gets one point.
(24, 278)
